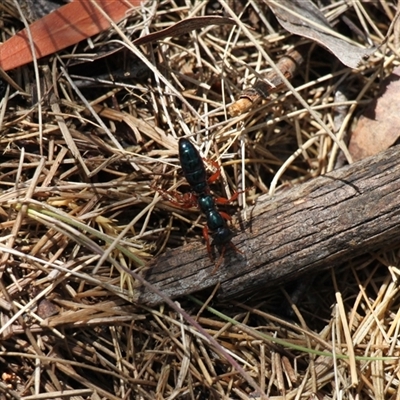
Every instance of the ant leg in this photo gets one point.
(207, 239)
(186, 200)
(222, 256)
(177, 199)
(219, 260)
(216, 174)
(223, 200)
(224, 215)
(235, 248)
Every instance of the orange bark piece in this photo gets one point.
(63, 27)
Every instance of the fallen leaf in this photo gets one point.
(379, 127)
(63, 27)
(46, 309)
(182, 27)
(302, 17)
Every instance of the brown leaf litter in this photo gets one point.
(82, 175)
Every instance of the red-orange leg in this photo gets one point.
(185, 200)
(216, 174)
(214, 177)
(222, 255)
(207, 239)
(223, 200)
(219, 260)
(225, 215)
(235, 248)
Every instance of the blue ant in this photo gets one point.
(195, 173)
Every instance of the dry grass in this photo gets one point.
(81, 174)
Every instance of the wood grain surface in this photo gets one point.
(311, 227)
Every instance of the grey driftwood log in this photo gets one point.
(313, 226)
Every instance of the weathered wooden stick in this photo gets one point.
(288, 65)
(313, 226)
